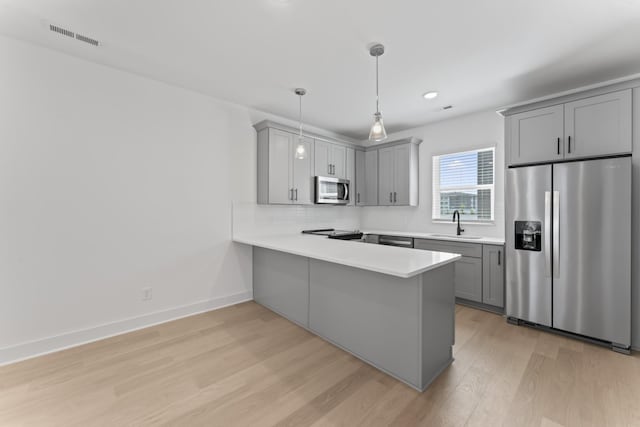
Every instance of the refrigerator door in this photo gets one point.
(528, 240)
(592, 284)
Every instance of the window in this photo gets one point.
(464, 182)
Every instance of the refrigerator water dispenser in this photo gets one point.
(528, 235)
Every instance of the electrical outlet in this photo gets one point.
(147, 294)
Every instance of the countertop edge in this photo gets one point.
(434, 236)
(262, 244)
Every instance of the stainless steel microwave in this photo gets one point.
(331, 190)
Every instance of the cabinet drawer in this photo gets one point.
(465, 249)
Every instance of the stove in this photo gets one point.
(332, 233)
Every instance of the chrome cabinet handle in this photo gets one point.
(390, 197)
(395, 199)
(329, 169)
(558, 145)
(569, 144)
(358, 197)
(499, 257)
(296, 194)
(333, 169)
(291, 194)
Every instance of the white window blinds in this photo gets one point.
(464, 182)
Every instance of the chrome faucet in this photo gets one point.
(459, 230)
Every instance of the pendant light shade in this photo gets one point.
(378, 133)
(301, 151)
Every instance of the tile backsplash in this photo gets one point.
(254, 219)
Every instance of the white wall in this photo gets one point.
(109, 183)
(469, 132)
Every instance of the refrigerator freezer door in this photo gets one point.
(528, 262)
(592, 291)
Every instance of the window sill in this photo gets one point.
(467, 222)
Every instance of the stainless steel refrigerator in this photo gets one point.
(569, 247)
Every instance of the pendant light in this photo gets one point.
(377, 130)
(301, 151)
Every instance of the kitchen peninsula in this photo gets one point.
(391, 307)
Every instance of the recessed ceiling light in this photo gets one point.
(430, 95)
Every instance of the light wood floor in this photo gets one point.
(246, 366)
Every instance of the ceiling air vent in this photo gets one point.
(87, 39)
(73, 35)
(61, 30)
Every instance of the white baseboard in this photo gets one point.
(55, 343)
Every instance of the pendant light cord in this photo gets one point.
(377, 91)
(300, 115)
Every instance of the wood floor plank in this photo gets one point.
(246, 366)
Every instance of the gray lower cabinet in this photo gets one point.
(281, 283)
(479, 274)
(403, 326)
(366, 312)
(468, 278)
(493, 275)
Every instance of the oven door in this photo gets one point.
(331, 190)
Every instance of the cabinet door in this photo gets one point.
(401, 174)
(302, 172)
(537, 136)
(599, 125)
(493, 275)
(322, 154)
(385, 176)
(279, 166)
(360, 186)
(350, 174)
(468, 279)
(371, 178)
(338, 160)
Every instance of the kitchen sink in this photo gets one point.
(454, 236)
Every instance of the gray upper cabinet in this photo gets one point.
(366, 188)
(599, 125)
(379, 175)
(283, 179)
(593, 126)
(339, 161)
(322, 163)
(360, 187)
(537, 136)
(385, 176)
(402, 175)
(350, 173)
(371, 178)
(330, 159)
(398, 175)
(493, 275)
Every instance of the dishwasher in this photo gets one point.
(405, 242)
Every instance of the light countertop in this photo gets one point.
(439, 236)
(395, 261)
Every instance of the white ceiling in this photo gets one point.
(478, 54)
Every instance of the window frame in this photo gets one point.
(435, 186)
